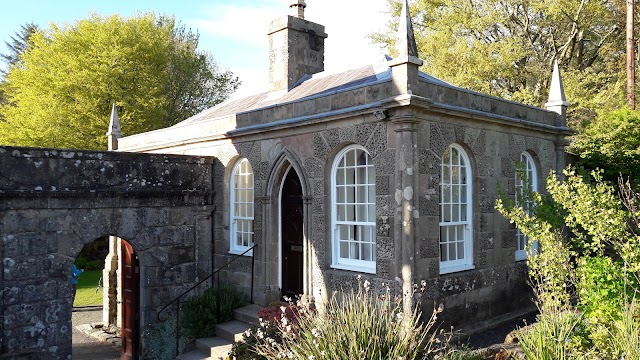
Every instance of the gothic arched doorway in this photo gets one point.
(291, 225)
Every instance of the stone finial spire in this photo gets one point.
(557, 101)
(406, 40)
(404, 67)
(297, 8)
(114, 132)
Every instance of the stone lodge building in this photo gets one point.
(381, 171)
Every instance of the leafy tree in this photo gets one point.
(507, 47)
(60, 93)
(611, 142)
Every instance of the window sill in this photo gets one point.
(456, 268)
(239, 252)
(360, 269)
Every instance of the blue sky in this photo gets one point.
(234, 31)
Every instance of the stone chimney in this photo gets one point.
(296, 48)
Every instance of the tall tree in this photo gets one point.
(18, 44)
(60, 94)
(631, 56)
(507, 47)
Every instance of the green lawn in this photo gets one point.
(86, 294)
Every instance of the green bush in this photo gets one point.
(603, 287)
(199, 313)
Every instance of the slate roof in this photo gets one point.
(316, 85)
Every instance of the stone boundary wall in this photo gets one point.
(69, 171)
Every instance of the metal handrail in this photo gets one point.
(177, 299)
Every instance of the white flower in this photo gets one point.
(366, 285)
(311, 357)
(283, 309)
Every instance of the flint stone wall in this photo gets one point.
(53, 202)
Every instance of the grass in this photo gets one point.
(86, 294)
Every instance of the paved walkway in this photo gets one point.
(86, 347)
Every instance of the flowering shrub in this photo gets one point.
(268, 331)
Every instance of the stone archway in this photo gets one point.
(42, 232)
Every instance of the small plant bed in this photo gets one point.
(360, 325)
(86, 294)
(199, 315)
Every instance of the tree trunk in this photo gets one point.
(631, 74)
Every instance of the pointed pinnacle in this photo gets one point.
(406, 41)
(556, 90)
(114, 123)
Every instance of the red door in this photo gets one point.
(291, 225)
(129, 303)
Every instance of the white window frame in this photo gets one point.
(241, 223)
(460, 225)
(364, 227)
(531, 173)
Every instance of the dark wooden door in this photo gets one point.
(130, 291)
(291, 224)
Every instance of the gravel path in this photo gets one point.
(86, 347)
(496, 334)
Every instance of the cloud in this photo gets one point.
(237, 33)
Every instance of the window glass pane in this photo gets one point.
(446, 175)
(443, 252)
(341, 194)
(446, 213)
(455, 213)
(351, 213)
(460, 250)
(354, 251)
(350, 157)
(455, 175)
(344, 249)
(351, 176)
(455, 196)
(341, 213)
(446, 192)
(454, 157)
(371, 174)
(361, 213)
(340, 176)
(463, 212)
(372, 213)
(452, 251)
(366, 252)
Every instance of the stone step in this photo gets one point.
(216, 347)
(232, 330)
(248, 314)
(194, 355)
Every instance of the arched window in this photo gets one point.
(526, 183)
(241, 209)
(456, 244)
(354, 211)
